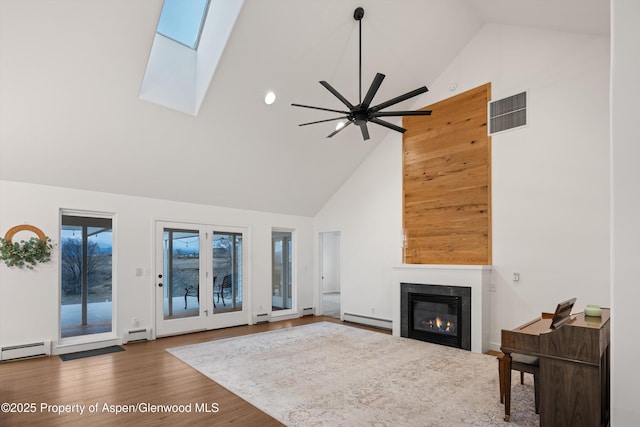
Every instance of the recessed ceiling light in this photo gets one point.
(270, 98)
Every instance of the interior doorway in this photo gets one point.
(330, 274)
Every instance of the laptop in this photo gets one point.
(563, 313)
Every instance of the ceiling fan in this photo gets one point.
(363, 112)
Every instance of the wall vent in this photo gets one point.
(508, 113)
(136, 335)
(13, 352)
(307, 311)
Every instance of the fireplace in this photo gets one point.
(477, 277)
(437, 314)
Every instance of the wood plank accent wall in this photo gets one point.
(446, 161)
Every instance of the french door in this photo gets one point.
(199, 278)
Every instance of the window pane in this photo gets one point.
(86, 276)
(227, 272)
(182, 273)
(182, 20)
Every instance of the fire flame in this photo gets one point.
(438, 322)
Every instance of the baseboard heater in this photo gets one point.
(137, 335)
(35, 349)
(261, 318)
(368, 320)
(307, 311)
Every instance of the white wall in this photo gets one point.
(550, 181)
(29, 299)
(625, 137)
(366, 211)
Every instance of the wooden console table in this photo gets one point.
(574, 368)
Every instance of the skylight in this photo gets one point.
(182, 21)
(187, 47)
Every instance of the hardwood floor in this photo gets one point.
(145, 375)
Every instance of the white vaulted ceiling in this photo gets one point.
(71, 73)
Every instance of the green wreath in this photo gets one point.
(25, 253)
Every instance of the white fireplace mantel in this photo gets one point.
(477, 277)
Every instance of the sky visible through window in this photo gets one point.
(182, 20)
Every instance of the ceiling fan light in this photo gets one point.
(270, 98)
(340, 125)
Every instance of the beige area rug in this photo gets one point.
(327, 374)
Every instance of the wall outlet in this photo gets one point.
(492, 287)
(516, 277)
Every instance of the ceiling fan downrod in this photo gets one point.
(358, 14)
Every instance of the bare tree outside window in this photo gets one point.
(99, 272)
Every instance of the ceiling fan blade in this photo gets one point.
(400, 98)
(375, 85)
(365, 131)
(388, 125)
(322, 121)
(336, 131)
(320, 108)
(337, 94)
(402, 113)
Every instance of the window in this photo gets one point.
(86, 276)
(182, 21)
(281, 270)
(178, 73)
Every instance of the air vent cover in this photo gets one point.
(508, 113)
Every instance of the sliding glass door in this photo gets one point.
(199, 278)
